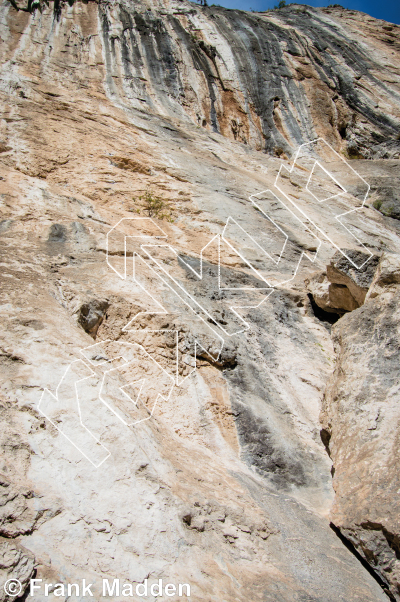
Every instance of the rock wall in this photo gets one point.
(228, 487)
(271, 80)
(361, 421)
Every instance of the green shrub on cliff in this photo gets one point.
(154, 206)
(30, 6)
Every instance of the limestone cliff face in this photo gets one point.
(361, 418)
(271, 80)
(228, 487)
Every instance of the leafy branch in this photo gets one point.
(32, 5)
(154, 205)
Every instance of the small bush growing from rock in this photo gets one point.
(154, 206)
(32, 5)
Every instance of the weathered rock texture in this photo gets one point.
(271, 80)
(228, 487)
(361, 421)
(343, 287)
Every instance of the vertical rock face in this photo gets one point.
(271, 80)
(361, 416)
(112, 110)
(342, 287)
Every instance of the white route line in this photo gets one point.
(164, 281)
(304, 253)
(333, 196)
(110, 407)
(126, 219)
(197, 309)
(337, 217)
(201, 308)
(57, 399)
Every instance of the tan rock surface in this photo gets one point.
(228, 486)
(361, 416)
(343, 287)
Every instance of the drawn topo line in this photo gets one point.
(189, 300)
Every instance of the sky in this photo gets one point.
(389, 10)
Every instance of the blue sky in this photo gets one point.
(389, 10)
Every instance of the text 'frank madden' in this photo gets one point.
(110, 587)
